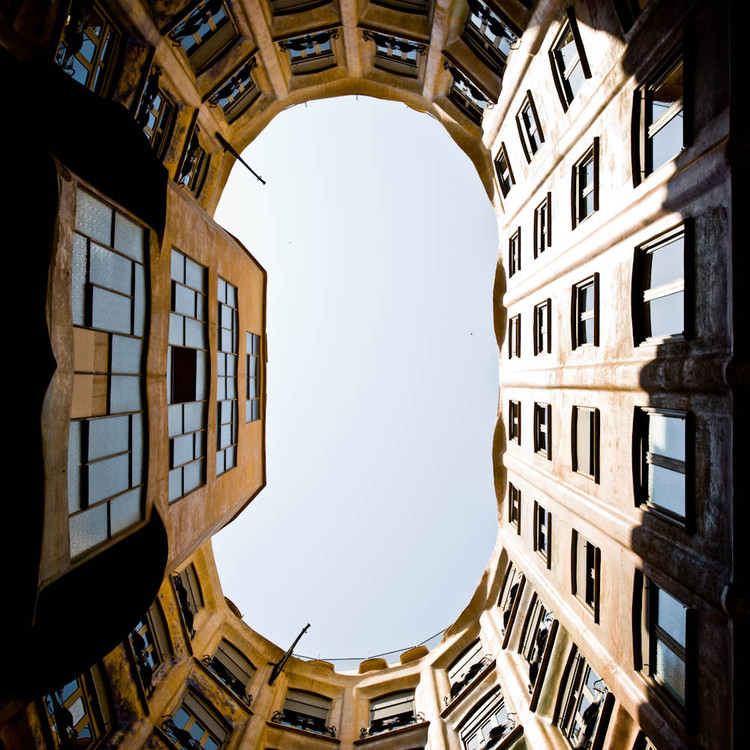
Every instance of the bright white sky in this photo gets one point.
(380, 244)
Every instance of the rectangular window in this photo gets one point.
(542, 533)
(543, 226)
(187, 376)
(659, 299)
(661, 124)
(568, 58)
(150, 644)
(529, 128)
(232, 668)
(514, 506)
(205, 33)
(585, 441)
(189, 595)
(252, 402)
(226, 378)
(586, 559)
(489, 35)
(107, 436)
(195, 724)
(585, 185)
(467, 667)
(663, 639)
(585, 307)
(88, 46)
(236, 93)
(466, 94)
(307, 711)
(510, 597)
(543, 430)
(192, 172)
(542, 327)
(514, 252)
(538, 632)
(514, 336)
(394, 54)
(156, 114)
(514, 420)
(661, 447)
(391, 712)
(311, 53)
(584, 704)
(504, 172)
(487, 723)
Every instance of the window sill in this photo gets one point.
(304, 732)
(679, 522)
(386, 735)
(468, 689)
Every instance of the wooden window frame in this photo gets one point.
(514, 336)
(514, 506)
(546, 430)
(594, 432)
(529, 127)
(560, 72)
(579, 316)
(492, 52)
(580, 188)
(543, 226)
(542, 333)
(514, 253)
(514, 421)
(586, 569)
(543, 533)
(504, 171)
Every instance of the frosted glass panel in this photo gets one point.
(195, 334)
(139, 302)
(671, 670)
(193, 475)
(110, 311)
(194, 275)
(175, 484)
(194, 419)
(667, 315)
(178, 266)
(108, 477)
(74, 467)
(666, 488)
(126, 355)
(93, 218)
(672, 616)
(129, 238)
(174, 418)
(108, 436)
(110, 270)
(88, 529)
(176, 335)
(125, 510)
(78, 279)
(125, 394)
(666, 436)
(667, 262)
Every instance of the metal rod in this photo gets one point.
(228, 147)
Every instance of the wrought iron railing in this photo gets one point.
(303, 721)
(392, 722)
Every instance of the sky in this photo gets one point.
(379, 514)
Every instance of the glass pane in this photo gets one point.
(139, 301)
(88, 529)
(78, 279)
(126, 355)
(174, 418)
(108, 477)
(182, 449)
(667, 315)
(667, 263)
(110, 311)
(194, 417)
(108, 436)
(201, 389)
(110, 270)
(129, 238)
(668, 91)
(667, 489)
(667, 142)
(175, 484)
(74, 466)
(671, 670)
(93, 218)
(125, 510)
(194, 275)
(586, 331)
(125, 394)
(137, 429)
(184, 300)
(195, 334)
(666, 436)
(176, 330)
(575, 79)
(672, 616)
(193, 475)
(567, 49)
(178, 266)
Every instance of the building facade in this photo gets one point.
(613, 611)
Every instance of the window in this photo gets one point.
(281, 7)
(568, 58)
(510, 596)
(504, 172)
(156, 113)
(464, 669)
(252, 403)
(88, 46)
(205, 33)
(78, 712)
(307, 711)
(542, 327)
(237, 92)
(584, 704)
(514, 506)
(195, 724)
(189, 596)
(467, 95)
(585, 185)
(311, 53)
(543, 533)
(664, 638)
(487, 724)
(529, 128)
(586, 559)
(659, 299)
(543, 429)
(232, 668)
(192, 173)
(187, 376)
(394, 54)
(107, 432)
(391, 712)
(585, 306)
(514, 252)
(514, 336)
(150, 644)
(226, 378)
(660, 469)
(514, 413)
(543, 226)
(489, 36)
(538, 632)
(585, 441)
(660, 120)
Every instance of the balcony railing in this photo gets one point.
(303, 721)
(465, 680)
(392, 722)
(230, 680)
